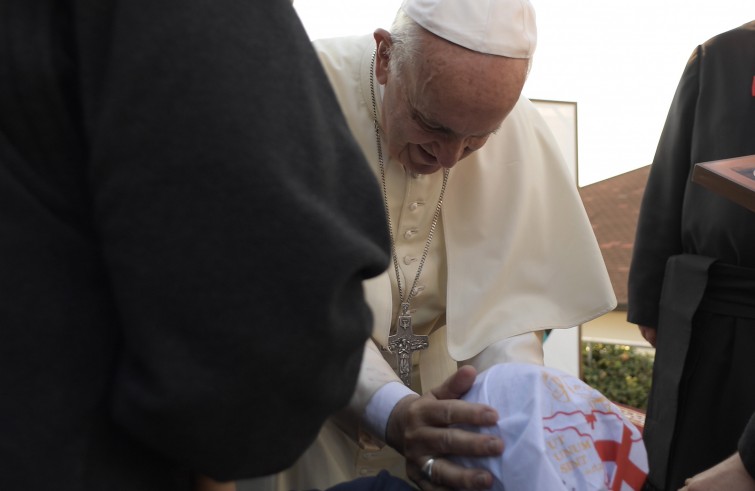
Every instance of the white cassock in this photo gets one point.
(514, 253)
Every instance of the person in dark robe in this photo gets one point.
(185, 225)
(692, 278)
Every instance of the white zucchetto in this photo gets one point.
(497, 27)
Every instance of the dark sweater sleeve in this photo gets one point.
(237, 219)
(659, 225)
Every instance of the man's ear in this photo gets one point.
(383, 46)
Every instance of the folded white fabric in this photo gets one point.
(558, 432)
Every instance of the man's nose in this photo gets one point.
(448, 151)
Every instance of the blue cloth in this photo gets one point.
(382, 482)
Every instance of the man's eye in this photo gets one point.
(433, 128)
(425, 126)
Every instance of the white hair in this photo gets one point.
(406, 40)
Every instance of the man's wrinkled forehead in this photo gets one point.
(423, 114)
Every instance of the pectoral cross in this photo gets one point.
(404, 343)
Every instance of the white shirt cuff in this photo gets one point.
(378, 410)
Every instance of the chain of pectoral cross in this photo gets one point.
(404, 342)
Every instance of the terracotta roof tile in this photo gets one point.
(613, 206)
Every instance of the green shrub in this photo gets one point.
(621, 373)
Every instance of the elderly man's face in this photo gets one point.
(442, 108)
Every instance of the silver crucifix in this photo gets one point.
(404, 343)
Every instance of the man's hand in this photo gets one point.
(419, 428)
(729, 475)
(649, 334)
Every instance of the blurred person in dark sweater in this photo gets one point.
(185, 225)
